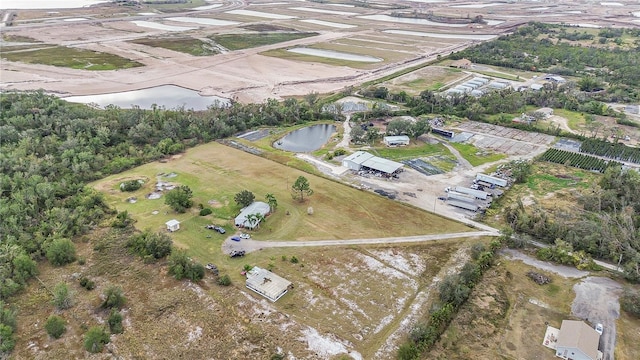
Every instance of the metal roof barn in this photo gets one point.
(257, 207)
(382, 165)
(267, 284)
(396, 140)
(355, 160)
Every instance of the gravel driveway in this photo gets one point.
(597, 302)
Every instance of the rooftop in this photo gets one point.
(577, 334)
(267, 284)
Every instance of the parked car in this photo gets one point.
(237, 253)
(235, 238)
(220, 230)
(599, 329)
(245, 236)
(213, 268)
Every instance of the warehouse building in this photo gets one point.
(362, 160)
(267, 284)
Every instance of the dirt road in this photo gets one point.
(250, 245)
(597, 301)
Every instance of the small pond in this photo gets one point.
(167, 96)
(306, 139)
(330, 54)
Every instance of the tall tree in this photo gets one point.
(301, 188)
(271, 200)
(179, 199)
(244, 198)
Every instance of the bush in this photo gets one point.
(62, 297)
(87, 283)
(294, 260)
(61, 252)
(55, 326)
(150, 245)
(115, 322)
(130, 185)
(113, 297)
(205, 212)
(7, 342)
(95, 339)
(224, 280)
(179, 199)
(181, 266)
(82, 261)
(630, 302)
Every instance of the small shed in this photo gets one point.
(173, 225)
(400, 140)
(267, 284)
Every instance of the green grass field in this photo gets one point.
(474, 155)
(72, 58)
(195, 47)
(245, 41)
(416, 149)
(215, 173)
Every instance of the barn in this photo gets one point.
(244, 219)
(399, 140)
(355, 160)
(362, 160)
(267, 284)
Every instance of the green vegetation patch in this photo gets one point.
(245, 41)
(412, 151)
(476, 156)
(188, 45)
(72, 58)
(548, 178)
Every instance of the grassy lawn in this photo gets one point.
(575, 120)
(72, 58)
(215, 173)
(498, 75)
(245, 41)
(474, 155)
(415, 150)
(547, 177)
(195, 47)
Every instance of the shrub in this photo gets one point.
(115, 322)
(62, 297)
(150, 245)
(82, 261)
(95, 339)
(113, 297)
(630, 302)
(181, 266)
(130, 185)
(87, 283)
(179, 199)
(7, 342)
(55, 326)
(205, 212)
(224, 280)
(61, 252)
(294, 260)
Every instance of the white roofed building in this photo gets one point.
(173, 225)
(399, 140)
(244, 219)
(267, 284)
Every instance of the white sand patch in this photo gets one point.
(329, 345)
(383, 322)
(382, 269)
(442, 35)
(583, 25)
(147, 13)
(475, 6)
(195, 334)
(611, 4)
(48, 4)
(75, 19)
(207, 7)
(414, 265)
(158, 26)
(203, 21)
(324, 11)
(261, 14)
(329, 24)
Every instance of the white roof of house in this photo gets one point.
(358, 157)
(576, 334)
(255, 208)
(266, 283)
(396, 138)
(172, 223)
(381, 164)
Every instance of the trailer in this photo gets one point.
(460, 196)
(491, 179)
(463, 205)
(478, 194)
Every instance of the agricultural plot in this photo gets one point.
(612, 151)
(428, 78)
(245, 41)
(505, 140)
(580, 161)
(195, 47)
(74, 58)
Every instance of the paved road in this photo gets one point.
(250, 245)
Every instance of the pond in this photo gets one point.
(306, 139)
(167, 96)
(330, 54)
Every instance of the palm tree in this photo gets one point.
(271, 200)
(251, 220)
(259, 218)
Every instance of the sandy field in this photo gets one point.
(246, 75)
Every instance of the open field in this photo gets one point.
(195, 47)
(245, 41)
(70, 57)
(429, 78)
(476, 156)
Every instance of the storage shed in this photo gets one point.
(267, 284)
(355, 160)
(173, 225)
(244, 219)
(400, 140)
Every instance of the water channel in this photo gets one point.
(306, 139)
